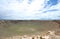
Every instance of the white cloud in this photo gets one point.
(15, 10)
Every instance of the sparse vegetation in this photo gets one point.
(10, 28)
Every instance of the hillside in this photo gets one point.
(21, 27)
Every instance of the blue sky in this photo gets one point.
(30, 9)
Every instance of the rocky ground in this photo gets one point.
(16, 28)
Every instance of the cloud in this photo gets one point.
(28, 9)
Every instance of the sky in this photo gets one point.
(29, 9)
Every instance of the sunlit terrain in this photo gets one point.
(30, 9)
(27, 27)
